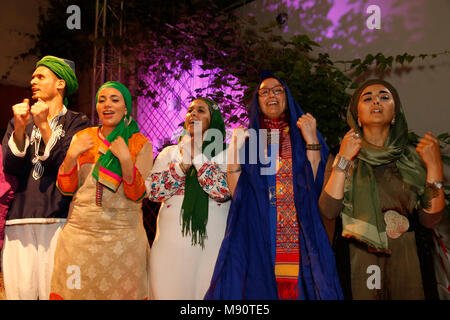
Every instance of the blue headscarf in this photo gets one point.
(245, 266)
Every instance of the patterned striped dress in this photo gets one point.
(287, 252)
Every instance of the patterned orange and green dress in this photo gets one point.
(102, 250)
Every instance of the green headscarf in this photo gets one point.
(63, 69)
(107, 170)
(195, 203)
(361, 216)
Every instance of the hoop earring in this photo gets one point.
(359, 123)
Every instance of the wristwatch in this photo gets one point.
(342, 164)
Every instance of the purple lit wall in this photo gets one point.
(163, 125)
(341, 25)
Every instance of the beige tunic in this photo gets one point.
(103, 251)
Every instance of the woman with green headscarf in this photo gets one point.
(389, 195)
(190, 180)
(102, 250)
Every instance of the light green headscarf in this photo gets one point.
(361, 216)
(107, 170)
(196, 200)
(63, 69)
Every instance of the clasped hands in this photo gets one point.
(189, 147)
(22, 112)
(83, 142)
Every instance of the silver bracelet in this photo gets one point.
(342, 164)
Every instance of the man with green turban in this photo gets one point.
(34, 146)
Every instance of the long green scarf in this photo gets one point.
(194, 209)
(63, 69)
(361, 215)
(107, 170)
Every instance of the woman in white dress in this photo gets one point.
(190, 180)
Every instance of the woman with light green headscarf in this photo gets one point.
(190, 180)
(103, 250)
(387, 193)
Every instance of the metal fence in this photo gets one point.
(161, 118)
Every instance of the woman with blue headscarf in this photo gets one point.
(275, 245)
(102, 250)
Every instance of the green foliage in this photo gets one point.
(222, 40)
(383, 63)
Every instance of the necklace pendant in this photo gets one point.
(38, 170)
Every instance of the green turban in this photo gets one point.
(63, 69)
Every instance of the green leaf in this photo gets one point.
(409, 58)
(400, 59)
(445, 159)
(413, 137)
(443, 136)
(389, 61)
(355, 63)
(369, 59)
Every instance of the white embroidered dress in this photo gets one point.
(179, 270)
